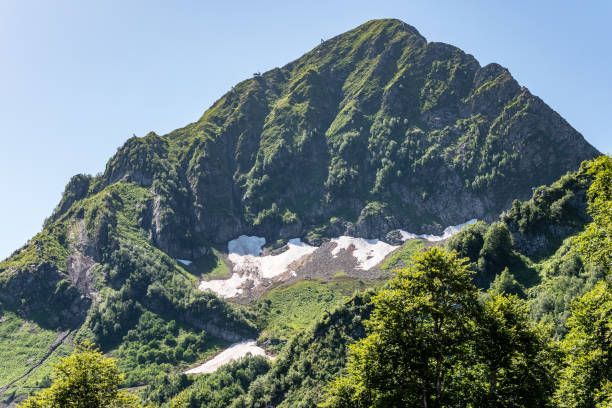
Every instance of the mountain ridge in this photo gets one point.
(341, 139)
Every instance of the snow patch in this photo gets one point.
(250, 268)
(185, 261)
(232, 353)
(447, 233)
(231, 287)
(368, 252)
(274, 265)
(245, 256)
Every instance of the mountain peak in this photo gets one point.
(387, 24)
(354, 131)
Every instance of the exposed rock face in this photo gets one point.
(80, 271)
(44, 294)
(377, 115)
(76, 189)
(373, 130)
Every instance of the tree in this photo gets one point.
(603, 397)
(85, 379)
(417, 330)
(433, 343)
(505, 282)
(587, 372)
(515, 365)
(469, 241)
(595, 242)
(496, 251)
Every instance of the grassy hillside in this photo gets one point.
(549, 279)
(93, 274)
(371, 131)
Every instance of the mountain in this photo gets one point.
(372, 131)
(555, 276)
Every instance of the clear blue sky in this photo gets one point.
(77, 78)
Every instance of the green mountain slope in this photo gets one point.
(371, 131)
(549, 280)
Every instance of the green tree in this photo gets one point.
(417, 330)
(496, 252)
(469, 241)
(603, 397)
(433, 343)
(85, 379)
(587, 371)
(515, 365)
(505, 282)
(595, 242)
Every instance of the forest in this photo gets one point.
(453, 328)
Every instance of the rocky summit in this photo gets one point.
(373, 130)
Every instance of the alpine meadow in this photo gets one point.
(381, 223)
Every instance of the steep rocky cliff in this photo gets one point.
(372, 130)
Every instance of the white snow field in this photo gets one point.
(231, 287)
(447, 233)
(232, 353)
(185, 261)
(274, 265)
(250, 269)
(368, 252)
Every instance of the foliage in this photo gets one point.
(505, 283)
(86, 379)
(156, 345)
(353, 132)
(25, 348)
(359, 119)
(496, 249)
(516, 366)
(431, 343)
(552, 213)
(596, 242)
(401, 257)
(211, 266)
(469, 241)
(216, 390)
(490, 250)
(284, 311)
(565, 277)
(417, 327)
(47, 246)
(588, 349)
(310, 359)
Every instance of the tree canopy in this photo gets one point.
(433, 343)
(596, 241)
(85, 379)
(587, 371)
